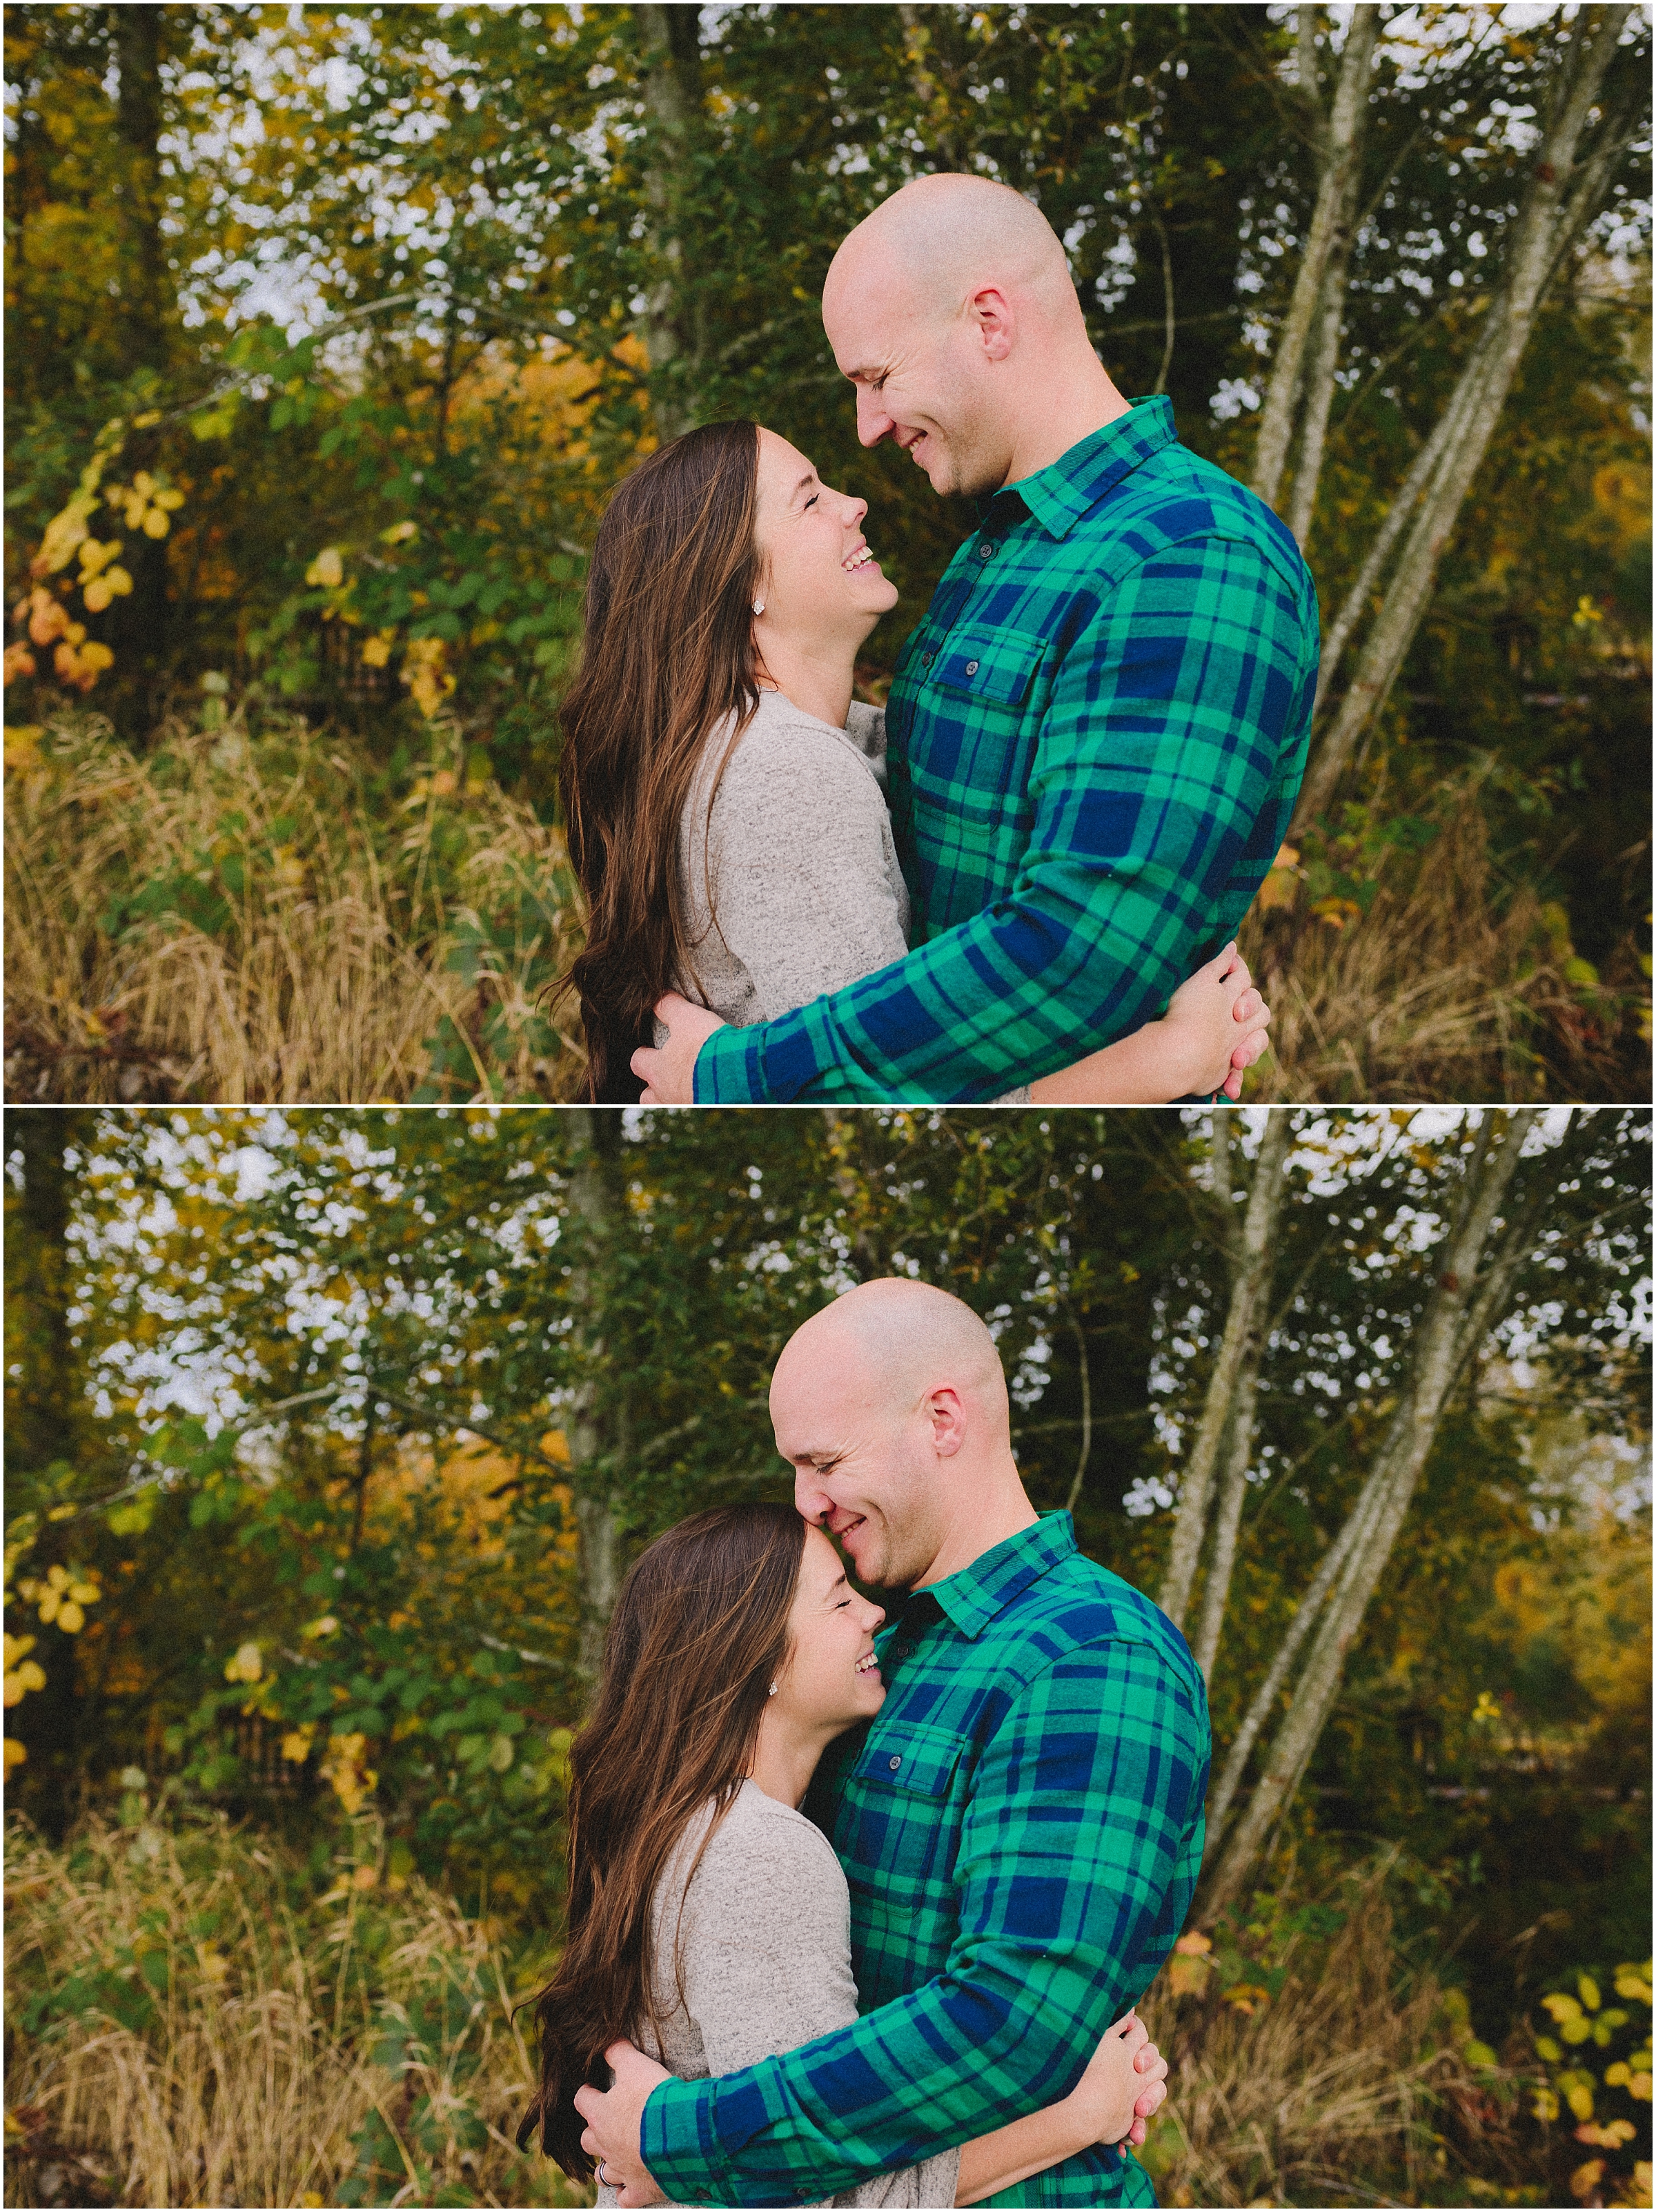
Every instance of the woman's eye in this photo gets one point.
(811, 502)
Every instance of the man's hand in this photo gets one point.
(669, 1073)
(614, 2118)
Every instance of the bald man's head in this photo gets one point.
(939, 237)
(951, 307)
(891, 1405)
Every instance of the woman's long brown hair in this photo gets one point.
(697, 1636)
(667, 654)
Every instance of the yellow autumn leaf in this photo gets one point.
(97, 595)
(172, 500)
(245, 1664)
(95, 557)
(118, 580)
(376, 652)
(157, 522)
(327, 569)
(296, 1745)
(399, 533)
(15, 1753)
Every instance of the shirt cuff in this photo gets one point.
(676, 2140)
(729, 1068)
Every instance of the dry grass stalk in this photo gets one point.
(1433, 995)
(1332, 2093)
(336, 941)
(261, 2071)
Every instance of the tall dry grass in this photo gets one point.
(189, 2023)
(1440, 992)
(249, 917)
(1348, 2086)
(185, 2026)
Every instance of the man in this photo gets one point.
(1021, 1824)
(1097, 733)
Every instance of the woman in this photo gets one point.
(724, 795)
(708, 1919)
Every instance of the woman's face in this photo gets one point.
(830, 1680)
(822, 582)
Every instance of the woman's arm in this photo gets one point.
(1124, 2081)
(1213, 1019)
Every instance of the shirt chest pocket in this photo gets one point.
(901, 1784)
(984, 688)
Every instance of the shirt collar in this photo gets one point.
(1060, 494)
(973, 1597)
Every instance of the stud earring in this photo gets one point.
(759, 606)
(773, 1689)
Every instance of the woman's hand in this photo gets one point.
(1125, 2082)
(1217, 1021)
(1214, 1027)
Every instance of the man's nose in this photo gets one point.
(873, 424)
(809, 1502)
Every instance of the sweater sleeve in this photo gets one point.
(765, 1953)
(800, 842)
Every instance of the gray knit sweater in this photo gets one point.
(753, 1958)
(791, 883)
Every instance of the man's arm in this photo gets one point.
(1178, 719)
(1077, 1862)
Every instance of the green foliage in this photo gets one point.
(1597, 2058)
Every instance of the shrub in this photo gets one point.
(255, 914)
(194, 2018)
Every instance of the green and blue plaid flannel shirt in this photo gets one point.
(1096, 738)
(1021, 1825)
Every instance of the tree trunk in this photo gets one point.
(135, 37)
(1249, 1250)
(1459, 1314)
(46, 1418)
(1340, 150)
(596, 1437)
(672, 93)
(1561, 199)
(1228, 1508)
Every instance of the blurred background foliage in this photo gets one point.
(331, 328)
(329, 1433)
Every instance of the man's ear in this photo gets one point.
(947, 1415)
(991, 315)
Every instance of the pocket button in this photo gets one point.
(972, 667)
(895, 1764)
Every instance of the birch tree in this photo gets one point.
(1301, 388)
(1480, 1253)
(1584, 136)
(1248, 1244)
